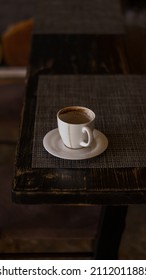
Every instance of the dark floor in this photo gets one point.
(47, 228)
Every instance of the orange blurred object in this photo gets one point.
(16, 42)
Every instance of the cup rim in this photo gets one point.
(82, 108)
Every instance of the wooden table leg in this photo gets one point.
(107, 246)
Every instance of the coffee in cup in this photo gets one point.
(76, 125)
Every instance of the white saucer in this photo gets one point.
(53, 144)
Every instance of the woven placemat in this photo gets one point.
(82, 17)
(120, 106)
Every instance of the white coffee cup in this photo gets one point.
(76, 125)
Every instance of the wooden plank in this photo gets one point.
(135, 40)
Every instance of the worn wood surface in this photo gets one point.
(78, 54)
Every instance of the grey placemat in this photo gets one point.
(74, 16)
(120, 106)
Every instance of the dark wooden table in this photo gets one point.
(80, 54)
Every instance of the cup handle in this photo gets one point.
(90, 137)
